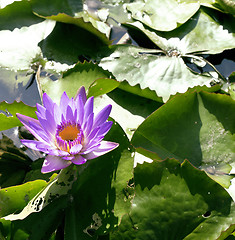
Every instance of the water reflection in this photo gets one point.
(14, 86)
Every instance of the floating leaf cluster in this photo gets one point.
(167, 69)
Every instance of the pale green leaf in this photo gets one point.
(19, 48)
(58, 187)
(164, 15)
(164, 74)
(15, 198)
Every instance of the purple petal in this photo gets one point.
(78, 160)
(53, 163)
(93, 134)
(41, 110)
(36, 145)
(75, 117)
(82, 92)
(72, 104)
(48, 123)
(68, 158)
(88, 108)
(57, 152)
(47, 102)
(69, 114)
(88, 125)
(57, 114)
(96, 140)
(76, 149)
(64, 101)
(33, 125)
(41, 132)
(80, 109)
(104, 128)
(102, 116)
(91, 148)
(104, 147)
(43, 147)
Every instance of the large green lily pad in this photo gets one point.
(194, 126)
(174, 201)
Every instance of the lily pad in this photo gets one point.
(102, 86)
(68, 43)
(174, 201)
(227, 6)
(9, 119)
(194, 126)
(19, 48)
(199, 34)
(164, 15)
(82, 74)
(15, 198)
(58, 187)
(72, 12)
(23, 16)
(50, 219)
(126, 105)
(164, 74)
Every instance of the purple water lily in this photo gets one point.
(68, 133)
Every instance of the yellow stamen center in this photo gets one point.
(69, 133)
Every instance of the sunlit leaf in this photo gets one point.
(162, 15)
(58, 187)
(14, 199)
(83, 74)
(232, 86)
(166, 75)
(9, 119)
(102, 86)
(19, 48)
(232, 91)
(220, 173)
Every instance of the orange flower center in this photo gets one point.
(69, 133)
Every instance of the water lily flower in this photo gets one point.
(68, 133)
